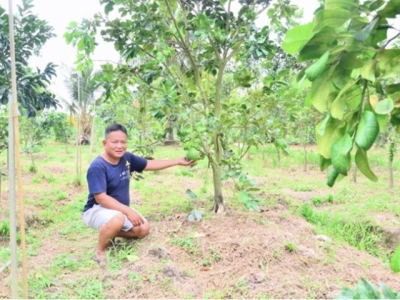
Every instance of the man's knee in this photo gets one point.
(142, 230)
(117, 221)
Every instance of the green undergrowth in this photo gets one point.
(361, 235)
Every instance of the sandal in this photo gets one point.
(101, 261)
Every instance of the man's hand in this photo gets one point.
(135, 218)
(183, 162)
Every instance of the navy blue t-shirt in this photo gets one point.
(112, 179)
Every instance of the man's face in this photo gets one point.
(115, 144)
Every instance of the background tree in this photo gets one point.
(82, 85)
(193, 46)
(62, 129)
(31, 34)
(355, 78)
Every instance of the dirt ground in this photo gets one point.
(245, 257)
(237, 254)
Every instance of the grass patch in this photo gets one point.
(361, 235)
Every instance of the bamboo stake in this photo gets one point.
(13, 213)
(17, 152)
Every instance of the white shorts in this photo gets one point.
(98, 216)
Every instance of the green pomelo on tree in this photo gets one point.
(192, 154)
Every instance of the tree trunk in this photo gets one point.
(305, 157)
(170, 136)
(219, 205)
(391, 174)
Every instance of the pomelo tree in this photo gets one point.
(193, 47)
(354, 72)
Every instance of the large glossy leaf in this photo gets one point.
(341, 4)
(363, 165)
(368, 70)
(384, 107)
(318, 45)
(391, 10)
(365, 33)
(324, 163)
(331, 18)
(350, 61)
(340, 154)
(367, 130)
(334, 130)
(297, 37)
(387, 60)
(319, 92)
(339, 104)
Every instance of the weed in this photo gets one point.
(217, 257)
(5, 228)
(51, 178)
(290, 247)
(206, 262)
(33, 169)
(90, 289)
(330, 198)
(277, 254)
(317, 200)
(133, 276)
(188, 243)
(64, 261)
(361, 235)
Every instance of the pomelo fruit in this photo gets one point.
(192, 154)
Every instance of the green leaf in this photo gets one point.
(395, 261)
(364, 34)
(388, 60)
(368, 70)
(339, 104)
(383, 121)
(346, 294)
(190, 194)
(319, 92)
(391, 10)
(281, 144)
(363, 165)
(331, 18)
(366, 290)
(341, 4)
(297, 37)
(385, 106)
(334, 130)
(340, 154)
(316, 69)
(387, 292)
(350, 61)
(324, 163)
(81, 44)
(318, 45)
(367, 130)
(132, 258)
(332, 176)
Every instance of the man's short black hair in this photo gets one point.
(114, 127)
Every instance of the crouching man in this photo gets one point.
(107, 208)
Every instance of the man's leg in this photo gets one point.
(107, 233)
(136, 231)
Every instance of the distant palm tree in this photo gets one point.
(82, 86)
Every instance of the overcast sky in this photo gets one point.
(59, 13)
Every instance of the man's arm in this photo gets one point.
(157, 164)
(111, 203)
